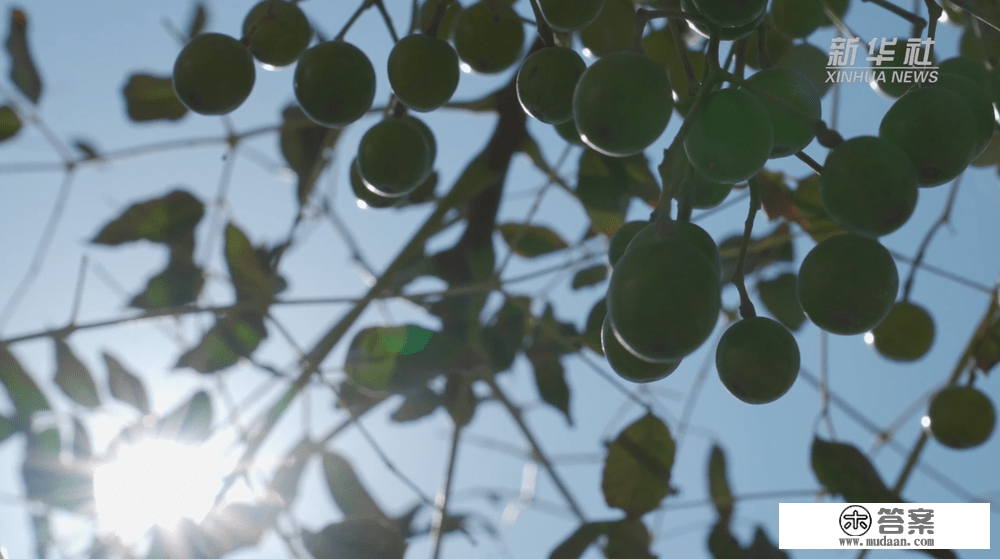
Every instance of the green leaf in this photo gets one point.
(459, 399)
(10, 123)
(762, 548)
(781, 299)
(762, 252)
(986, 348)
(531, 241)
(233, 336)
(23, 391)
(814, 218)
(356, 538)
(416, 405)
(235, 526)
(722, 544)
(191, 422)
(149, 97)
(48, 480)
(7, 427)
(284, 487)
(504, 336)
(199, 17)
(302, 144)
(169, 219)
(550, 377)
(376, 353)
(73, 377)
(590, 276)
(637, 469)
(843, 470)
(603, 189)
(718, 484)
(628, 539)
(346, 488)
(253, 278)
(577, 543)
(22, 69)
(178, 284)
(81, 440)
(125, 386)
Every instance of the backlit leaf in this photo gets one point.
(762, 548)
(986, 348)
(628, 539)
(48, 480)
(416, 405)
(235, 526)
(125, 386)
(149, 98)
(7, 427)
(781, 299)
(233, 336)
(637, 468)
(762, 252)
(21, 388)
(250, 270)
(504, 336)
(10, 123)
(81, 440)
(22, 69)
(356, 538)
(346, 488)
(577, 543)
(459, 399)
(550, 377)
(178, 284)
(722, 544)
(531, 240)
(168, 219)
(718, 484)
(284, 487)
(844, 471)
(73, 377)
(199, 17)
(814, 218)
(191, 422)
(376, 353)
(302, 143)
(590, 276)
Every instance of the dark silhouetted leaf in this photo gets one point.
(550, 377)
(86, 149)
(637, 469)
(253, 278)
(284, 486)
(843, 470)
(762, 548)
(10, 123)
(814, 218)
(81, 440)
(718, 484)
(356, 538)
(776, 197)
(504, 336)
(459, 399)
(149, 98)
(22, 69)
(780, 297)
(590, 276)
(416, 405)
(376, 353)
(605, 185)
(168, 219)
(125, 386)
(199, 17)
(302, 143)
(722, 544)
(73, 377)
(940, 553)
(986, 344)
(628, 539)
(578, 542)
(23, 391)
(346, 488)
(48, 480)
(178, 284)
(191, 422)
(762, 252)
(531, 240)
(232, 337)
(7, 427)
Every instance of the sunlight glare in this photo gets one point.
(155, 482)
(925, 422)
(869, 338)
(466, 69)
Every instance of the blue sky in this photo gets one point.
(85, 51)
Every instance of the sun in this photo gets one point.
(156, 482)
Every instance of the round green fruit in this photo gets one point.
(664, 299)
(847, 284)
(968, 67)
(612, 31)
(281, 32)
(682, 87)
(626, 364)
(799, 18)
(979, 103)
(758, 360)
(567, 131)
(731, 13)
(869, 186)
(685, 231)
(393, 157)
(705, 194)
(334, 83)
(961, 417)
(447, 25)
(595, 324)
(807, 59)
(731, 137)
(791, 133)
(775, 41)
(428, 137)
(570, 15)
(621, 239)
(364, 194)
(213, 74)
(489, 36)
(937, 130)
(906, 334)
(890, 87)
(622, 104)
(659, 46)
(725, 33)
(423, 72)
(546, 82)
(990, 155)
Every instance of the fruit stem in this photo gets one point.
(933, 13)
(943, 220)
(354, 17)
(673, 15)
(812, 163)
(544, 31)
(746, 305)
(763, 59)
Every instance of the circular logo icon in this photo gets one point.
(855, 520)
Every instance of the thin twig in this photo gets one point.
(444, 495)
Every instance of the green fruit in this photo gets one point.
(791, 134)
(888, 87)
(622, 238)
(705, 194)
(679, 80)
(428, 137)
(568, 132)
(594, 326)
(570, 15)
(968, 67)
(447, 25)
(546, 82)
(979, 103)
(731, 13)
(622, 104)
(937, 130)
(393, 157)
(213, 74)
(758, 360)
(659, 46)
(731, 137)
(775, 42)
(664, 299)
(906, 334)
(990, 155)
(367, 198)
(612, 31)
(808, 60)
(281, 32)
(423, 72)
(869, 186)
(685, 231)
(725, 33)
(489, 36)
(334, 83)
(961, 417)
(626, 364)
(799, 18)
(847, 284)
